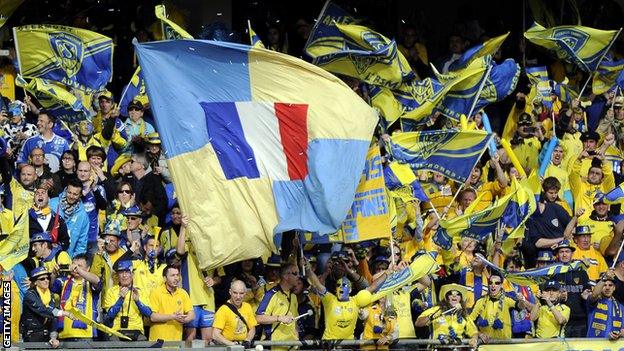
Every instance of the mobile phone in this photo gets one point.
(4, 52)
(124, 321)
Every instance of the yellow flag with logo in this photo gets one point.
(170, 29)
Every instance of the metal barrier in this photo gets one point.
(198, 345)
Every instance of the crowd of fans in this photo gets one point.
(108, 239)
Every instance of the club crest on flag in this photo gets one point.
(430, 143)
(68, 50)
(422, 90)
(362, 64)
(573, 38)
(577, 280)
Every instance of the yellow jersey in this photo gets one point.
(341, 316)
(231, 326)
(135, 318)
(490, 309)
(165, 302)
(276, 302)
(547, 325)
(597, 264)
(600, 229)
(146, 279)
(584, 192)
(377, 325)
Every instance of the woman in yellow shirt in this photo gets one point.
(551, 318)
(449, 319)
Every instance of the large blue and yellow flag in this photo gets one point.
(169, 28)
(254, 39)
(506, 215)
(583, 46)
(535, 276)
(616, 195)
(255, 141)
(135, 90)
(451, 152)
(7, 7)
(487, 48)
(606, 76)
(414, 101)
(500, 81)
(55, 99)
(363, 54)
(71, 56)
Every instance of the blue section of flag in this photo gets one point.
(224, 76)
(418, 191)
(616, 195)
(228, 140)
(442, 239)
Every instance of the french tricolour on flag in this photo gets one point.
(259, 139)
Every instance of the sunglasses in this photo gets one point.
(43, 278)
(129, 192)
(496, 283)
(133, 217)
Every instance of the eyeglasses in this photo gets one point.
(67, 159)
(133, 217)
(43, 278)
(38, 155)
(496, 283)
(134, 109)
(125, 191)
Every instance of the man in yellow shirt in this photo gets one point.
(279, 305)
(586, 252)
(492, 314)
(527, 142)
(553, 316)
(599, 179)
(557, 170)
(80, 290)
(171, 308)
(600, 223)
(125, 304)
(235, 321)
(341, 310)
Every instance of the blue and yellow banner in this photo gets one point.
(490, 47)
(500, 81)
(450, 152)
(535, 276)
(606, 76)
(364, 54)
(325, 33)
(135, 90)
(616, 195)
(399, 175)
(76, 314)
(369, 217)
(14, 248)
(421, 266)
(55, 99)
(538, 76)
(564, 92)
(169, 28)
(254, 39)
(583, 46)
(75, 57)
(280, 144)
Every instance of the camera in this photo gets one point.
(124, 321)
(591, 153)
(530, 129)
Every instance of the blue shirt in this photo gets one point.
(52, 148)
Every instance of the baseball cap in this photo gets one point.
(583, 230)
(135, 104)
(552, 285)
(590, 135)
(619, 101)
(124, 265)
(525, 120)
(105, 94)
(41, 237)
(153, 138)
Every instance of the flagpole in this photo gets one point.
(461, 186)
(591, 74)
(476, 99)
(618, 255)
(318, 20)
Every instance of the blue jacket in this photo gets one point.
(77, 226)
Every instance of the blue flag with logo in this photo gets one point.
(74, 57)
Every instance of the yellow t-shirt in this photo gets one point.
(562, 176)
(527, 152)
(598, 264)
(403, 307)
(547, 325)
(279, 303)
(340, 316)
(7, 82)
(600, 229)
(489, 309)
(62, 258)
(135, 321)
(231, 326)
(22, 199)
(164, 302)
(145, 279)
(376, 319)
(442, 324)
